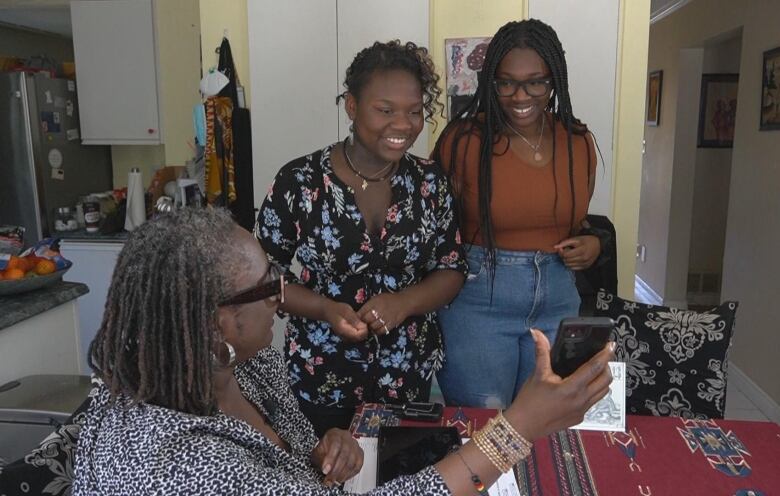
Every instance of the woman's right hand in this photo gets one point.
(548, 403)
(344, 321)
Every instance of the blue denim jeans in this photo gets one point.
(489, 351)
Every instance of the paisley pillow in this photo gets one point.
(676, 360)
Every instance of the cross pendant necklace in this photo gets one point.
(374, 178)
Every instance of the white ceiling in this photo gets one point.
(52, 16)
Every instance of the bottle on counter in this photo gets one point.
(91, 209)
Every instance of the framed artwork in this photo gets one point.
(463, 62)
(654, 83)
(717, 110)
(770, 91)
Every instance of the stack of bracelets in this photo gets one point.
(502, 445)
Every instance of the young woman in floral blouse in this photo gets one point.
(372, 227)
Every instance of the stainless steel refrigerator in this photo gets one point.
(43, 164)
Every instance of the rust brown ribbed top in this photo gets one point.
(524, 209)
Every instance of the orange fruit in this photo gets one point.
(44, 267)
(16, 263)
(13, 274)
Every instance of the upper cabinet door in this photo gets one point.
(116, 69)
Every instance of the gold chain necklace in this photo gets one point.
(535, 148)
(374, 178)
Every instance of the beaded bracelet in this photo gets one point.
(502, 444)
(478, 485)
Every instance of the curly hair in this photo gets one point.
(541, 38)
(160, 321)
(396, 55)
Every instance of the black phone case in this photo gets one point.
(578, 339)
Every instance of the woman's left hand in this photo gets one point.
(383, 312)
(338, 456)
(579, 252)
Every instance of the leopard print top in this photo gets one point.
(127, 448)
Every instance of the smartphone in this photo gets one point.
(407, 450)
(428, 412)
(578, 339)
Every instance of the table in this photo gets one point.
(655, 456)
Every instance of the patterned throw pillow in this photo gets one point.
(676, 360)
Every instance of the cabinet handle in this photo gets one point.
(150, 131)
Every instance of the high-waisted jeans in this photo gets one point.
(489, 351)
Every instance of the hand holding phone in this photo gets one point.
(578, 339)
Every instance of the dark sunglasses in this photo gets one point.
(262, 291)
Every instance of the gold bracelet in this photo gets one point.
(502, 444)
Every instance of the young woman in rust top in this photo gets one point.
(522, 169)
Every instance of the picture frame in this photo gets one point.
(717, 110)
(463, 62)
(655, 81)
(770, 91)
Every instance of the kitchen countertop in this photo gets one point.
(16, 308)
(83, 235)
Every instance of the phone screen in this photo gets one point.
(407, 450)
(578, 339)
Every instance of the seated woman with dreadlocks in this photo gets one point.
(522, 169)
(194, 400)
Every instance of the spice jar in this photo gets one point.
(64, 220)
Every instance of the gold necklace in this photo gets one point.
(535, 148)
(374, 178)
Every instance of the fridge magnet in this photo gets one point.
(72, 134)
(717, 110)
(50, 123)
(463, 60)
(770, 91)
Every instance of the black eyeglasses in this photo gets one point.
(532, 87)
(262, 291)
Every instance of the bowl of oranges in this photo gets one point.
(32, 270)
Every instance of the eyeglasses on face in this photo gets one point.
(263, 290)
(532, 87)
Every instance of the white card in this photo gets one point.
(609, 414)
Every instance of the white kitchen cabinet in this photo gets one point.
(93, 265)
(115, 46)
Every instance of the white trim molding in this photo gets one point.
(755, 394)
(665, 10)
(643, 293)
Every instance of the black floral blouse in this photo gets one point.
(127, 448)
(310, 213)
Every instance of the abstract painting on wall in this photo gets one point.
(770, 91)
(717, 110)
(464, 58)
(654, 85)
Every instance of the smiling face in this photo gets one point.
(387, 116)
(522, 110)
(248, 326)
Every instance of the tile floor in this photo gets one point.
(739, 406)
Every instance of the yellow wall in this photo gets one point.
(629, 130)
(215, 17)
(465, 18)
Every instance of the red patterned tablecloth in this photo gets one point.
(659, 456)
